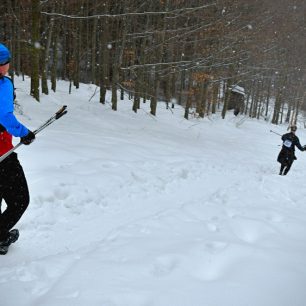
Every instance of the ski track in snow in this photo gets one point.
(197, 216)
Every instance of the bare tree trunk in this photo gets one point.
(65, 48)
(17, 63)
(153, 104)
(35, 49)
(120, 27)
(226, 99)
(189, 100)
(277, 108)
(94, 46)
(268, 97)
(104, 59)
(203, 98)
(45, 60)
(55, 59)
(215, 92)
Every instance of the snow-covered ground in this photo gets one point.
(131, 210)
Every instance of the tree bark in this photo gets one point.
(35, 47)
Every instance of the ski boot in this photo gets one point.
(12, 237)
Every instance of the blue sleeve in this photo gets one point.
(7, 118)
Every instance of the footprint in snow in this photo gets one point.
(212, 227)
(61, 194)
(213, 260)
(164, 265)
(249, 230)
(274, 217)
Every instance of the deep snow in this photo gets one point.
(132, 210)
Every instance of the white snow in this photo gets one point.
(131, 210)
(238, 89)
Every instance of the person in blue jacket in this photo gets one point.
(13, 185)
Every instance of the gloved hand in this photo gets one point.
(28, 139)
(304, 147)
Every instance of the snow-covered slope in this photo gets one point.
(131, 210)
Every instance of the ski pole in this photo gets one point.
(275, 133)
(61, 112)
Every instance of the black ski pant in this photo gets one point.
(284, 169)
(14, 191)
(285, 158)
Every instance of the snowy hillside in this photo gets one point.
(131, 210)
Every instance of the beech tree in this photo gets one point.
(190, 52)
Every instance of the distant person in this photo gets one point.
(13, 184)
(287, 156)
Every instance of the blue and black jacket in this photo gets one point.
(8, 121)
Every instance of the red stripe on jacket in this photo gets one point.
(5, 142)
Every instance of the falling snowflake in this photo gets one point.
(37, 45)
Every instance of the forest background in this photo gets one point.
(185, 52)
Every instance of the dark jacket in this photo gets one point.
(290, 141)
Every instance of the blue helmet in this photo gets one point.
(5, 55)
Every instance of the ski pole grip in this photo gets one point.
(60, 114)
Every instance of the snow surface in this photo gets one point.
(238, 89)
(131, 210)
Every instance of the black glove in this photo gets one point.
(304, 147)
(28, 139)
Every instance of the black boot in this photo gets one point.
(12, 237)
(281, 169)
